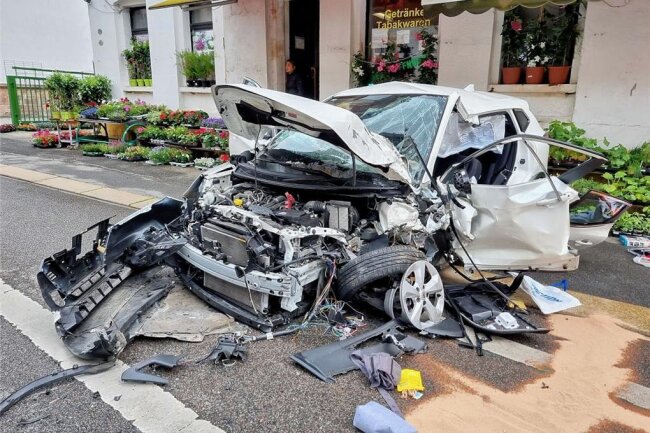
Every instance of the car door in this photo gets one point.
(521, 224)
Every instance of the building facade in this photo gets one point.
(608, 92)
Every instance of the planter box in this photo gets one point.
(111, 156)
(133, 159)
(157, 141)
(150, 162)
(84, 153)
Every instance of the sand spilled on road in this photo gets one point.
(577, 396)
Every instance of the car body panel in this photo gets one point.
(246, 109)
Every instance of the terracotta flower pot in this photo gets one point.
(115, 131)
(558, 74)
(511, 74)
(534, 74)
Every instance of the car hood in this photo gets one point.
(245, 109)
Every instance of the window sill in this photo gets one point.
(532, 88)
(202, 90)
(138, 89)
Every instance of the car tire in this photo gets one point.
(373, 266)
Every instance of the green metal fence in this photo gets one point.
(27, 94)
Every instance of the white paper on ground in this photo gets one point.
(549, 299)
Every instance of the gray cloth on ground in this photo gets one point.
(382, 371)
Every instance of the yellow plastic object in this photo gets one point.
(238, 202)
(517, 303)
(411, 380)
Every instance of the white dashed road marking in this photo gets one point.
(151, 409)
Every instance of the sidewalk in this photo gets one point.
(132, 184)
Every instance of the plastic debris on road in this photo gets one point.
(549, 299)
(375, 418)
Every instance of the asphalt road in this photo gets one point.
(265, 393)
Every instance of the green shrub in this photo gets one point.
(634, 222)
(178, 155)
(95, 88)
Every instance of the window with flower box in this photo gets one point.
(201, 31)
(401, 43)
(538, 44)
(139, 28)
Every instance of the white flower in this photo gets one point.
(531, 63)
(537, 59)
(542, 44)
(546, 59)
(532, 47)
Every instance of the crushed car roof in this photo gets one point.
(472, 102)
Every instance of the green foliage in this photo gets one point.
(176, 133)
(115, 149)
(138, 59)
(619, 184)
(560, 34)
(160, 155)
(95, 88)
(95, 148)
(513, 39)
(633, 162)
(197, 66)
(153, 133)
(634, 222)
(180, 156)
(134, 153)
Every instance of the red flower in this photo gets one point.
(224, 157)
(163, 116)
(418, 36)
(516, 26)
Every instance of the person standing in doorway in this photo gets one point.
(294, 82)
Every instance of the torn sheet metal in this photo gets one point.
(183, 316)
(519, 226)
(332, 359)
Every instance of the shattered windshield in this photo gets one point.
(304, 151)
(408, 121)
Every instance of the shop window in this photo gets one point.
(538, 44)
(402, 43)
(201, 30)
(139, 29)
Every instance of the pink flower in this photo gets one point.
(418, 36)
(127, 108)
(429, 64)
(516, 26)
(393, 68)
(381, 66)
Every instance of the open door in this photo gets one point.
(516, 225)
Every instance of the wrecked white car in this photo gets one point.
(348, 195)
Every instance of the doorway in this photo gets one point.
(304, 19)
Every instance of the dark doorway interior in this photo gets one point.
(303, 41)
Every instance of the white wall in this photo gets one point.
(464, 46)
(47, 33)
(613, 94)
(242, 47)
(335, 46)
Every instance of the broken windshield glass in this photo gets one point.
(406, 120)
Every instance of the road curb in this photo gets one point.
(86, 189)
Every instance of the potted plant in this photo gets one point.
(44, 139)
(190, 64)
(204, 163)
(130, 66)
(142, 60)
(180, 158)
(134, 153)
(428, 67)
(535, 51)
(205, 64)
(94, 149)
(512, 48)
(69, 96)
(561, 33)
(53, 86)
(159, 156)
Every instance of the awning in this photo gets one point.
(191, 4)
(452, 8)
